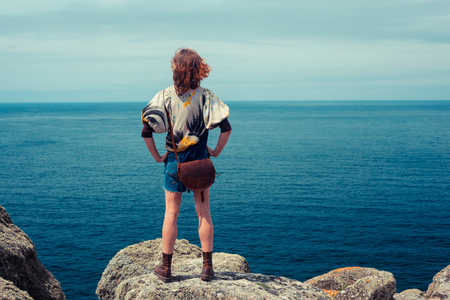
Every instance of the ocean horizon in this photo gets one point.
(305, 187)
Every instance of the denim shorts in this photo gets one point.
(171, 181)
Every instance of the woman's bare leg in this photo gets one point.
(205, 225)
(169, 231)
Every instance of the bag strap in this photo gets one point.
(174, 146)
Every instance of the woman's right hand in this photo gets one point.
(223, 139)
(210, 151)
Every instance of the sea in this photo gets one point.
(305, 187)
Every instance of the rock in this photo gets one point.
(20, 266)
(129, 275)
(8, 291)
(413, 294)
(140, 259)
(440, 287)
(225, 285)
(356, 283)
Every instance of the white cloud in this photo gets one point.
(64, 45)
(104, 46)
(20, 7)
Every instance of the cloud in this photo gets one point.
(336, 47)
(24, 7)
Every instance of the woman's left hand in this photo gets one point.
(162, 158)
(150, 142)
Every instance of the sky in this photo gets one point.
(120, 50)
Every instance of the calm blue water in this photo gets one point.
(306, 187)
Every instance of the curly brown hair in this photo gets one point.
(188, 70)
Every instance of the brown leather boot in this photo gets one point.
(208, 272)
(163, 271)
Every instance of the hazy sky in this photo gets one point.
(117, 50)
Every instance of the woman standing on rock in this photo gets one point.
(193, 111)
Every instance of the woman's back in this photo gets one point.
(192, 114)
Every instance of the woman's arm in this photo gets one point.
(223, 139)
(150, 143)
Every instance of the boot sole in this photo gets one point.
(206, 277)
(162, 278)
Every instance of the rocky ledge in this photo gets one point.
(22, 276)
(129, 275)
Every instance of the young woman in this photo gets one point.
(194, 111)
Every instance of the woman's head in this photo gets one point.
(188, 70)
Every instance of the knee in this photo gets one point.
(203, 214)
(171, 215)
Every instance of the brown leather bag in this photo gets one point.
(196, 175)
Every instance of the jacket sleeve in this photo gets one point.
(147, 131)
(154, 114)
(214, 110)
(225, 126)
